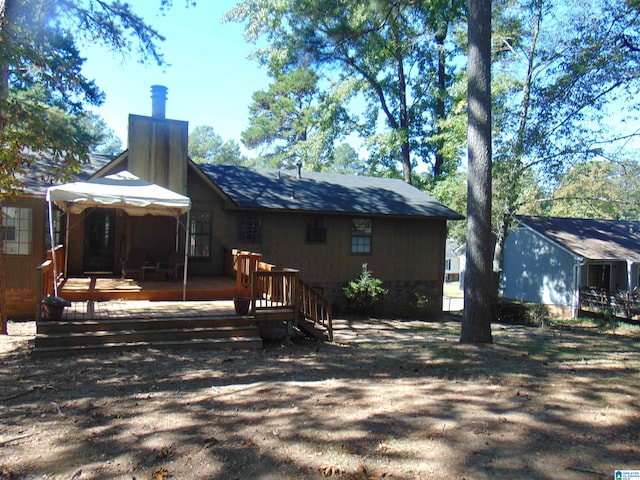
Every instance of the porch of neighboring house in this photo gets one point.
(131, 312)
(621, 305)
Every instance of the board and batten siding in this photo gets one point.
(22, 272)
(158, 151)
(402, 249)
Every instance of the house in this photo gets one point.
(549, 260)
(324, 225)
(454, 259)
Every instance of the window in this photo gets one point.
(316, 229)
(599, 276)
(57, 229)
(250, 228)
(360, 236)
(16, 230)
(200, 235)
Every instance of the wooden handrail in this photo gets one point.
(275, 289)
(280, 289)
(316, 308)
(46, 269)
(244, 263)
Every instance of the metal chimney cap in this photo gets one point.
(158, 101)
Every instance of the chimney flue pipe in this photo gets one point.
(158, 101)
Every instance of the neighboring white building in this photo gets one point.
(454, 258)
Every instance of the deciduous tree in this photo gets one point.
(396, 52)
(43, 92)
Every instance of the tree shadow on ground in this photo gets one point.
(387, 398)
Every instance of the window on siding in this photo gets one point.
(316, 229)
(200, 234)
(16, 230)
(57, 229)
(250, 228)
(361, 235)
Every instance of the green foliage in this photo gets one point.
(206, 146)
(517, 313)
(395, 57)
(43, 92)
(283, 122)
(598, 189)
(365, 291)
(107, 143)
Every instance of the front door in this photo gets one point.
(99, 241)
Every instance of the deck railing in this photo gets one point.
(46, 270)
(244, 263)
(316, 308)
(622, 304)
(275, 289)
(272, 289)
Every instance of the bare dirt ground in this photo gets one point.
(388, 399)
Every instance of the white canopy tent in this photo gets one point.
(124, 191)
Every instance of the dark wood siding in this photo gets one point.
(21, 270)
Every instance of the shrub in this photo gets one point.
(516, 313)
(365, 291)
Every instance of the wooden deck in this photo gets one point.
(146, 309)
(97, 326)
(101, 289)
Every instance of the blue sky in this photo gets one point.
(210, 80)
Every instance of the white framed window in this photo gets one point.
(17, 230)
(361, 236)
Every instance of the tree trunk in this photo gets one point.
(480, 297)
(4, 95)
(440, 108)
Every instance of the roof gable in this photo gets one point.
(590, 239)
(274, 189)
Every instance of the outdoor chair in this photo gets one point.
(173, 267)
(134, 263)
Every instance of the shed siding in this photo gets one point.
(536, 270)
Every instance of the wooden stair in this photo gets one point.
(215, 332)
(275, 320)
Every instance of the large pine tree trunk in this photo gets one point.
(4, 93)
(480, 297)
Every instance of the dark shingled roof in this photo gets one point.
(591, 239)
(274, 189)
(38, 178)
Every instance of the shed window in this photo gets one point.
(250, 228)
(361, 236)
(16, 230)
(200, 235)
(316, 229)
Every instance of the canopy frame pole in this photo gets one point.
(53, 250)
(66, 243)
(186, 255)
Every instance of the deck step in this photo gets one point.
(309, 328)
(243, 343)
(200, 332)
